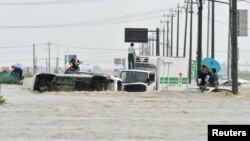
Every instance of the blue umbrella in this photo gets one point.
(211, 63)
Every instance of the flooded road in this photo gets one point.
(99, 116)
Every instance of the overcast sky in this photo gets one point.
(94, 29)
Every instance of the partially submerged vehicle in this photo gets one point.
(164, 73)
(156, 73)
(10, 78)
(224, 86)
(80, 81)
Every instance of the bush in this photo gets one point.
(2, 100)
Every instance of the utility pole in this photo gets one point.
(185, 34)
(163, 40)
(234, 39)
(153, 45)
(167, 38)
(199, 47)
(46, 65)
(149, 47)
(229, 41)
(49, 55)
(34, 59)
(190, 42)
(229, 34)
(208, 28)
(57, 64)
(36, 65)
(213, 23)
(163, 37)
(172, 32)
(157, 42)
(178, 25)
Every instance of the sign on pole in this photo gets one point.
(136, 35)
(242, 23)
(194, 69)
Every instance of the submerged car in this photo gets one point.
(81, 81)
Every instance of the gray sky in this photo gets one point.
(92, 28)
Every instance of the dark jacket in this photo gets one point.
(19, 71)
(75, 64)
(202, 76)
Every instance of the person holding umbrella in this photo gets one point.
(207, 76)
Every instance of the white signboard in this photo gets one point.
(242, 23)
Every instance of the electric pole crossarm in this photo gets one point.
(220, 2)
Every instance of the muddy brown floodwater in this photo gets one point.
(116, 116)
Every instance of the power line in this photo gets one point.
(50, 2)
(22, 46)
(80, 47)
(83, 48)
(126, 21)
(22, 60)
(79, 25)
(59, 45)
(113, 20)
(107, 21)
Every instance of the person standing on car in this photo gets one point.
(74, 63)
(131, 56)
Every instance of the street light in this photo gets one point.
(229, 34)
